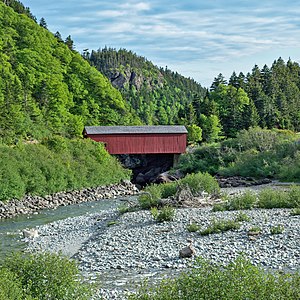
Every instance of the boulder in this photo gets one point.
(187, 252)
(31, 233)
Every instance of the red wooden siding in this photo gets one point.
(142, 143)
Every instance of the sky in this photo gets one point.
(198, 39)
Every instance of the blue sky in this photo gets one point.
(198, 39)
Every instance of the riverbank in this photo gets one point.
(121, 250)
(32, 204)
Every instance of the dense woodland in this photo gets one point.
(47, 89)
(267, 97)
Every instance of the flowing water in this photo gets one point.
(11, 229)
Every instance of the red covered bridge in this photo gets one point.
(140, 139)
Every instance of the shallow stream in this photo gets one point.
(11, 229)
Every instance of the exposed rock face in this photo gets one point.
(130, 77)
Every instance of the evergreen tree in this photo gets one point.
(43, 23)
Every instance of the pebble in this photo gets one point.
(136, 245)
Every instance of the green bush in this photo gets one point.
(218, 226)
(237, 280)
(166, 213)
(270, 198)
(193, 227)
(150, 196)
(254, 153)
(241, 217)
(295, 211)
(55, 165)
(47, 276)
(11, 286)
(241, 201)
(168, 189)
(278, 229)
(201, 182)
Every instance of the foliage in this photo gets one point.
(198, 183)
(237, 280)
(193, 227)
(201, 182)
(270, 198)
(55, 165)
(42, 276)
(47, 88)
(278, 229)
(253, 153)
(194, 134)
(242, 217)
(11, 286)
(254, 229)
(218, 226)
(150, 196)
(166, 213)
(168, 189)
(157, 95)
(295, 211)
(240, 201)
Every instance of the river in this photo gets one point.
(11, 237)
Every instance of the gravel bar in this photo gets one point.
(121, 250)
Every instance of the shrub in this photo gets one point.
(295, 212)
(278, 229)
(269, 198)
(193, 227)
(168, 189)
(254, 230)
(219, 226)
(241, 201)
(241, 217)
(201, 182)
(48, 276)
(150, 196)
(237, 280)
(10, 286)
(56, 165)
(166, 213)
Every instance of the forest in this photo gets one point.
(49, 92)
(268, 97)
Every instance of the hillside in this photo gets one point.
(46, 88)
(159, 96)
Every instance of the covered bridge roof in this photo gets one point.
(165, 129)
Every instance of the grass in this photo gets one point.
(241, 201)
(278, 229)
(255, 230)
(111, 223)
(218, 226)
(242, 217)
(166, 213)
(295, 212)
(271, 198)
(193, 227)
(198, 183)
(267, 198)
(238, 280)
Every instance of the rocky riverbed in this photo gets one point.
(121, 250)
(32, 204)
